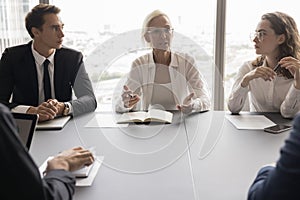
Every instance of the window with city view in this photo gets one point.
(108, 34)
(12, 22)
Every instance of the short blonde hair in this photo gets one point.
(149, 18)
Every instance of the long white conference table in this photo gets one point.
(201, 156)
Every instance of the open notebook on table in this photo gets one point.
(153, 115)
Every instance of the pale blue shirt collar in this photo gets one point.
(39, 59)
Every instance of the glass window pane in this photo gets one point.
(12, 22)
(109, 35)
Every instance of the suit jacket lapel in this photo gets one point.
(30, 71)
(59, 77)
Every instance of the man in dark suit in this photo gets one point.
(25, 85)
(20, 176)
(281, 182)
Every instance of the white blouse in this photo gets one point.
(185, 79)
(163, 97)
(277, 95)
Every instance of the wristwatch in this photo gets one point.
(66, 109)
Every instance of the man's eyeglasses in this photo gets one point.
(159, 31)
(259, 35)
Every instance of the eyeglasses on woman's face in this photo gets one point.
(259, 35)
(159, 31)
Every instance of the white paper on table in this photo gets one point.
(80, 182)
(250, 122)
(104, 121)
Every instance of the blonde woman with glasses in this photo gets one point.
(163, 79)
(272, 80)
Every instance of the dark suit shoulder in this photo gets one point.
(296, 122)
(18, 50)
(6, 119)
(19, 47)
(68, 57)
(4, 111)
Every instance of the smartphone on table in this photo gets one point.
(278, 128)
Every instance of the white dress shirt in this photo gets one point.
(39, 61)
(277, 95)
